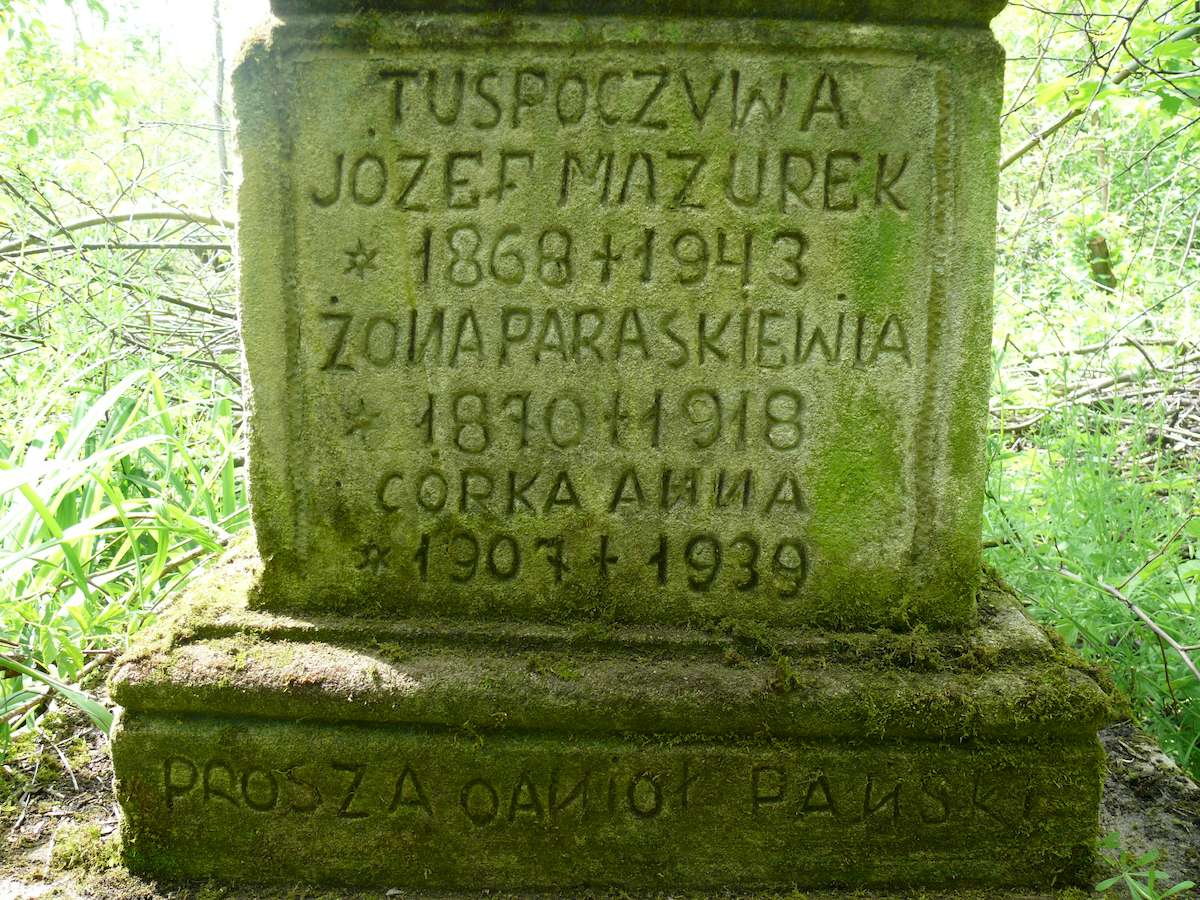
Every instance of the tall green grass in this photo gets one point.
(1093, 493)
(110, 495)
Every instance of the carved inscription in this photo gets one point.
(675, 180)
(595, 322)
(771, 792)
(515, 336)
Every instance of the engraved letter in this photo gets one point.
(760, 795)
(368, 189)
(531, 802)
(459, 193)
(399, 76)
(836, 178)
(313, 793)
(417, 797)
(489, 98)
(456, 97)
(213, 790)
(562, 494)
(261, 804)
(649, 189)
(765, 342)
(700, 113)
(639, 117)
(479, 816)
(476, 487)
(827, 805)
(402, 201)
(786, 494)
(683, 199)
(870, 807)
(754, 195)
(634, 337)
(757, 100)
(381, 353)
(515, 324)
(639, 807)
(790, 190)
(578, 793)
(629, 490)
(884, 182)
(333, 359)
(504, 183)
(527, 97)
(900, 345)
(385, 485)
(942, 796)
(729, 496)
(328, 200)
(832, 105)
(581, 88)
(171, 785)
(432, 491)
(606, 116)
(604, 161)
(358, 772)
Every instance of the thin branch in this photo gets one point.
(119, 218)
(1140, 613)
(118, 245)
(1074, 113)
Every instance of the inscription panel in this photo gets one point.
(455, 810)
(634, 333)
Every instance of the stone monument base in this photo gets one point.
(437, 755)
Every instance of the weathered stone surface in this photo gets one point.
(633, 319)
(459, 759)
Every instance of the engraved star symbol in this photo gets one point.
(362, 260)
(373, 557)
(360, 420)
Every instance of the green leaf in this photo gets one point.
(96, 711)
(1185, 49)
(1170, 104)
(1050, 91)
(1179, 889)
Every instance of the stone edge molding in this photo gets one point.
(970, 13)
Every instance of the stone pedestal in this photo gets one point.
(437, 755)
(617, 387)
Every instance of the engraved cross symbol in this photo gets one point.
(605, 559)
(373, 558)
(362, 260)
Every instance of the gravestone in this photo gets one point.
(617, 391)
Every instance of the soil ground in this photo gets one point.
(58, 824)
